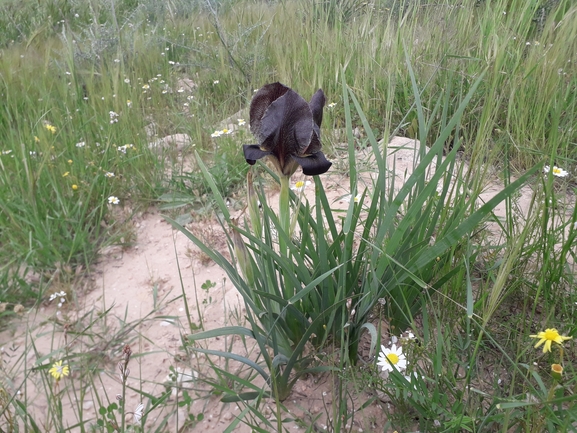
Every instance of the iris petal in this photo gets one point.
(313, 164)
(252, 152)
(261, 102)
(317, 103)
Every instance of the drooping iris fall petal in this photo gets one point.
(287, 129)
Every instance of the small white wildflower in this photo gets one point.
(124, 148)
(81, 144)
(332, 105)
(215, 82)
(557, 171)
(392, 357)
(138, 412)
(60, 295)
(113, 200)
(109, 174)
(127, 80)
(241, 122)
(410, 378)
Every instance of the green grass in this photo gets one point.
(406, 67)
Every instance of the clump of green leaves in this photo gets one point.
(298, 269)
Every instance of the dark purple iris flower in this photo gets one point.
(287, 129)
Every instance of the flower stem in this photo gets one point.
(253, 209)
(283, 232)
(284, 212)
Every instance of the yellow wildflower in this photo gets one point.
(74, 187)
(58, 371)
(549, 336)
(50, 128)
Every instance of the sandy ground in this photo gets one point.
(142, 289)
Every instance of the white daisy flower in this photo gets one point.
(557, 171)
(300, 185)
(392, 357)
